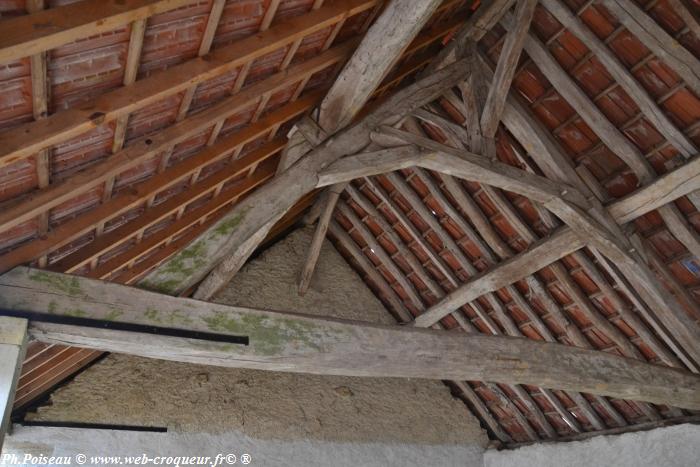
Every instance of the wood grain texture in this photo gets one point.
(381, 47)
(228, 250)
(44, 30)
(64, 125)
(299, 343)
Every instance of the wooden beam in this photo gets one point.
(369, 163)
(61, 126)
(469, 166)
(131, 69)
(519, 266)
(319, 236)
(346, 242)
(394, 29)
(465, 264)
(229, 251)
(668, 187)
(479, 23)
(41, 31)
(508, 324)
(649, 108)
(299, 146)
(505, 69)
(398, 24)
(40, 110)
(13, 343)
(551, 159)
(609, 135)
(300, 343)
(165, 209)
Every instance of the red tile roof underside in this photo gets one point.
(151, 210)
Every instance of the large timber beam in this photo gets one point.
(379, 50)
(259, 339)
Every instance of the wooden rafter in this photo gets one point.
(149, 146)
(505, 70)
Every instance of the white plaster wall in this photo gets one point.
(675, 446)
(308, 453)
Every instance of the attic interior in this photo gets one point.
(224, 223)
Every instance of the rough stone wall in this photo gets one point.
(267, 405)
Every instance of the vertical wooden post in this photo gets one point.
(13, 340)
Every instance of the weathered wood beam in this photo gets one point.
(61, 126)
(503, 250)
(319, 236)
(40, 110)
(469, 166)
(397, 25)
(13, 342)
(300, 343)
(131, 68)
(609, 135)
(507, 322)
(215, 13)
(229, 246)
(649, 108)
(482, 21)
(505, 69)
(381, 47)
(540, 255)
(535, 138)
(438, 261)
(668, 187)
(41, 31)
(299, 145)
(369, 163)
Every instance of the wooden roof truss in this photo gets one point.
(386, 169)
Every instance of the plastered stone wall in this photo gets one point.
(674, 446)
(266, 405)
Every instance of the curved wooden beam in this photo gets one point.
(305, 344)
